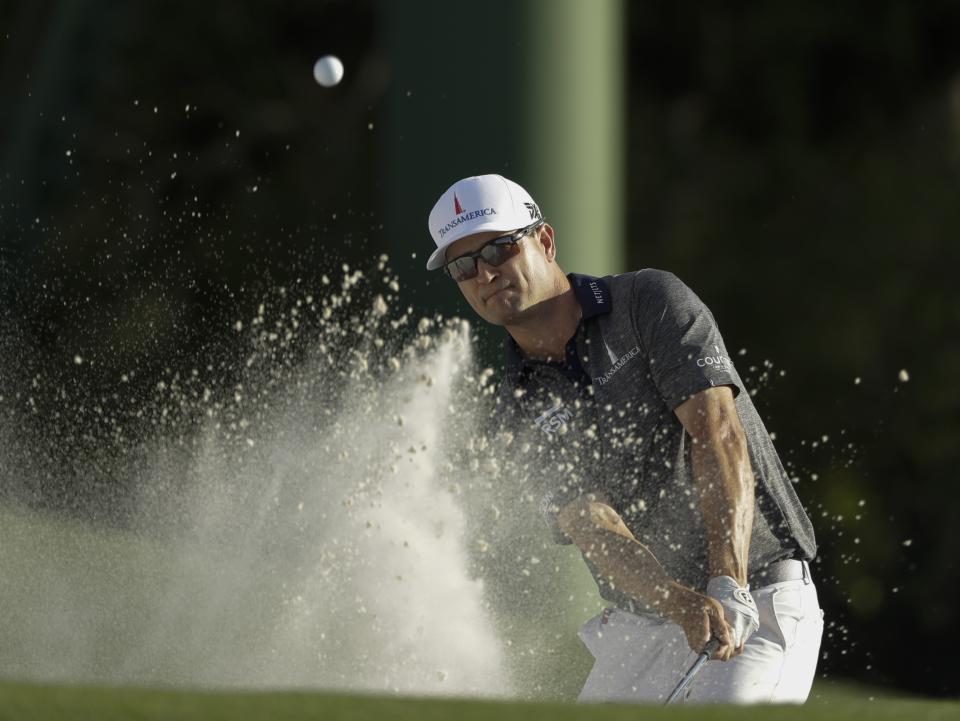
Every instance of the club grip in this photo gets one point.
(711, 648)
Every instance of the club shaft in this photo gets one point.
(704, 656)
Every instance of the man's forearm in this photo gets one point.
(724, 481)
(630, 567)
(624, 562)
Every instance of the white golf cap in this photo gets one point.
(476, 205)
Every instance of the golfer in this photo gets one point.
(651, 458)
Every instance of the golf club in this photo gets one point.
(711, 648)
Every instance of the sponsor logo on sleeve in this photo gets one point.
(715, 361)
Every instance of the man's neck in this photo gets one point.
(545, 336)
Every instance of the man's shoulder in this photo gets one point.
(647, 288)
(648, 280)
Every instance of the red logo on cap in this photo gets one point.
(457, 208)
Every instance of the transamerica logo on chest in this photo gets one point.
(618, 363)
(554, 419)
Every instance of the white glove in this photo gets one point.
(739, 608)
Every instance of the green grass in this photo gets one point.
(42, 559)
(26, 702)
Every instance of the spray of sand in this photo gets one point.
(305, 529)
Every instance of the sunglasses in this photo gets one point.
(496, 251)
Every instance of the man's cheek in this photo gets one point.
(469, 297)
(476, 305)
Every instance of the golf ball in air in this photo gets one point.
(328, 71)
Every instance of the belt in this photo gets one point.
(780, 571)
(776, 572)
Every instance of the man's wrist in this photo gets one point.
(728, 566)
(723, 585)
(676, 601)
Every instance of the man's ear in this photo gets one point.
(547, 239)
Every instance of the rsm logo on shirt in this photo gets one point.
(554, 419)
(716, 360)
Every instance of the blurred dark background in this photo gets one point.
(163, 168)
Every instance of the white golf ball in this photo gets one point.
(328, 71)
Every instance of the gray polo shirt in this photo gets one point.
(603, 422)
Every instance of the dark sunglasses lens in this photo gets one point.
(462, 269)
(493, 254)
(498, 253)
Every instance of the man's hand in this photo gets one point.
(701, 619)
(600, 533)
(739, 608)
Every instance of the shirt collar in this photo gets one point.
(593, 295)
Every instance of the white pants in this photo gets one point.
(641, 658)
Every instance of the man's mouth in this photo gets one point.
(498, 290)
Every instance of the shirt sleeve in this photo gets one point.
(551, 503)
(686, 351)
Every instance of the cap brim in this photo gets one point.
(436, 259)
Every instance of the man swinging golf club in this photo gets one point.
(648, 455)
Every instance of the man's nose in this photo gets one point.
(485, 271)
